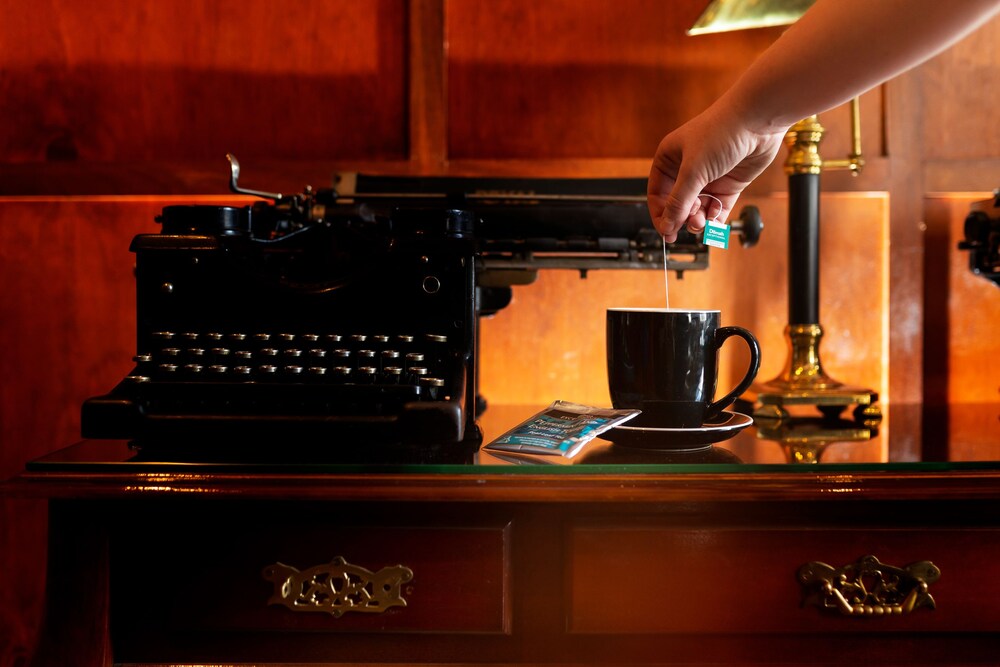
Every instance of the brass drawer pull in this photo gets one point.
(868, 587)
(337, 587)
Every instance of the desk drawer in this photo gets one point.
(229, 572)
(652, 579)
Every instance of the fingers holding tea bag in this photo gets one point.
(720, 158)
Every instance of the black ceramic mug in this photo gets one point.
(664, 361)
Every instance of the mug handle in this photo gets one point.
(721, 334)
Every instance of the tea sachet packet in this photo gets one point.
(563, 429)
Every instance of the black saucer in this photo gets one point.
(723, 427)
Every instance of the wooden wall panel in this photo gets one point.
(549, 344)
(141, 80)
(959, 93)
(580, 78)
(962, 349)
(589, 78)
(956, 103)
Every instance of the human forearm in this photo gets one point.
(841, 48)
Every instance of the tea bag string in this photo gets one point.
(715, 217)
(666, 284)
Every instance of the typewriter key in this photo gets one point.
(268, 370)
(293, 354)
(242, 371)
(171, 352)
(218, 369)
(310, 338)
(317, 354)
(213, 336)
(435, 338)
(142, 358)
(413, 359)
(189, 336)
(341, 372)
(261, 337)
(392, 374)
(316, 371)
(243, 355)
(342, 354)
(269, 352)
(237, 337)
(293, 370)
(193, 368)
(432, 386)
(162, 335)
(286, 337)
(366, 374)
(167, 368)
(334, 338)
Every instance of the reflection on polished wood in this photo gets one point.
(805, 439)
(973, 436)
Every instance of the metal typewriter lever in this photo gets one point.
(748, 226)
(234, 175)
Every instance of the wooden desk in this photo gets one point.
(613, 563)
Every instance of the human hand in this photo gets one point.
(713, 154)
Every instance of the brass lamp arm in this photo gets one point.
(855, 162)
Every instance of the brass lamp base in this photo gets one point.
(804, 382)
(804, 439)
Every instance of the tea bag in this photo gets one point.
(563, 428)
(716, 233)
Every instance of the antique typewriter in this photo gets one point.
(351, 314)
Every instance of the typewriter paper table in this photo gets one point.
(155, 563)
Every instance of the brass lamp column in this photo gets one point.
(803, 380)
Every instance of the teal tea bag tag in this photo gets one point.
(716, 234)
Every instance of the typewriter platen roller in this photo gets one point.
(349, 313)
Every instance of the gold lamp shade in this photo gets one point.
(727, 15)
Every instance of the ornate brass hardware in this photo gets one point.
(868, 587)
(338, 587)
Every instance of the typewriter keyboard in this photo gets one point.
(300, 358)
